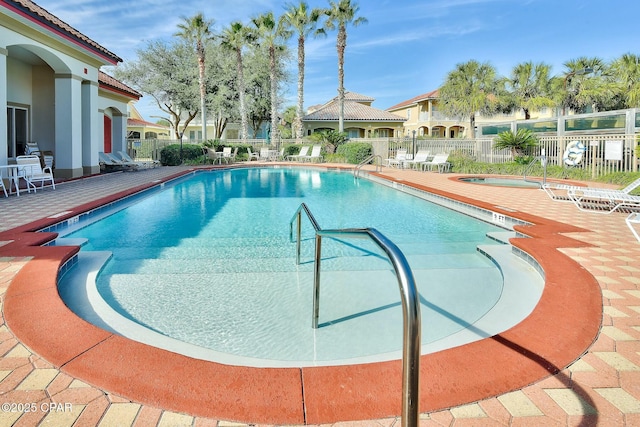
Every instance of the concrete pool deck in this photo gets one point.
(602, 387)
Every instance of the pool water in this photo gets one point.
(502, 182)
(208, 262)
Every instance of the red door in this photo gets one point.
(107, 134)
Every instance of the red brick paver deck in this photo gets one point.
(601, 388)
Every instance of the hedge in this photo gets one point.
(355, 152)
(170, 155)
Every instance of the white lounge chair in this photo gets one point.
(45, 156)
(421, 157)
(31, 170)
(298, 157)
(603, 201)
(398, 160)
(143, 163)
(441, 161)
(633, 218)
(314, 156)
(560, 191)
(111, 162)
(251, 155)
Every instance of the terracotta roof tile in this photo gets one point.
(434, 94)
(58, 26)
(353, 111)
(139, 122)
(107, 80)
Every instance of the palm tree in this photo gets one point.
(272, 31)
(626, 71)
(586, 84)
(339, 15)
(469, 89)
(197, 29)
(234, 38)
(530, 87)
(304, 22)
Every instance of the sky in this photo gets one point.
(406, 48)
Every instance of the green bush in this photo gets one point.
(170, 155)
(356, 152)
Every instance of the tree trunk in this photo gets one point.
(341, 45)
(203, 109)
(300, 109)
(244, 128)
(274, 95)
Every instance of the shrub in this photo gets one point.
(356, 152)
(170, 155)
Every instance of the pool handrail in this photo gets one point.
(408, 294)
(356, 170)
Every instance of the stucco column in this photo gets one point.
(4, 153)
(68, 135)
(91, 128)
(119, 137)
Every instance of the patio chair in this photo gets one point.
(421, 157)
(30, 169)
(228, 156)
(4, 188)
(252, 155)
(109, 161)
(441, 161)
(560, 191)
(315, 154)
(398, 160)
(46, 157)
(143, 163)
(633, 218)
(301, 154)
(265, 154)
(603, 201)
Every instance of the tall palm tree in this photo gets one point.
(234, 38)
(198, 30)
(587, 83)
(339, 15)
(469, 89)
(305, 23)
(272, 32)
(626, 71)
(530, 87)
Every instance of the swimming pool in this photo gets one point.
(501, 182)
(220, 281)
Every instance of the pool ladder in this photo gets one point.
(356, 171)
(408, 294)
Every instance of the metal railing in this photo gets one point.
(366, 161)
(408, 294)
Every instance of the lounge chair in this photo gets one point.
(315, 154)
(109, 161)
(46, 157)
(31, 170)
(420, 157)
(560, 191)
(440, 160)
(143, 163)
(398, 160)
(633, 218)
(603, 201)
(298, 157)
(252, 155)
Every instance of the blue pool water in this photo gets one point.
(206, 267)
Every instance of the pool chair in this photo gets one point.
(314, 156)
(420, 157)
(46, 157)
(252, 155)
(398, 160)
(633, 218)
(441, 161)
(143, 163)
(603, 201)
(228, 156)
(30, 169)
(110, 162)
(560, 191)
(298, 157)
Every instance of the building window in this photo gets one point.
(17, 130)
(408, 114)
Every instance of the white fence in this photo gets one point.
(603, 153)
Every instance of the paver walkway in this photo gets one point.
(601, 388)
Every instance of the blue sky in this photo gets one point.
(406, 48)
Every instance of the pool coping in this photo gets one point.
(544, 343)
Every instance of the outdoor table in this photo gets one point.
(13, 175)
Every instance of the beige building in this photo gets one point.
(361, 120)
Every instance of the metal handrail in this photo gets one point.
(408, 294)
(378, 165)
(543, 162)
